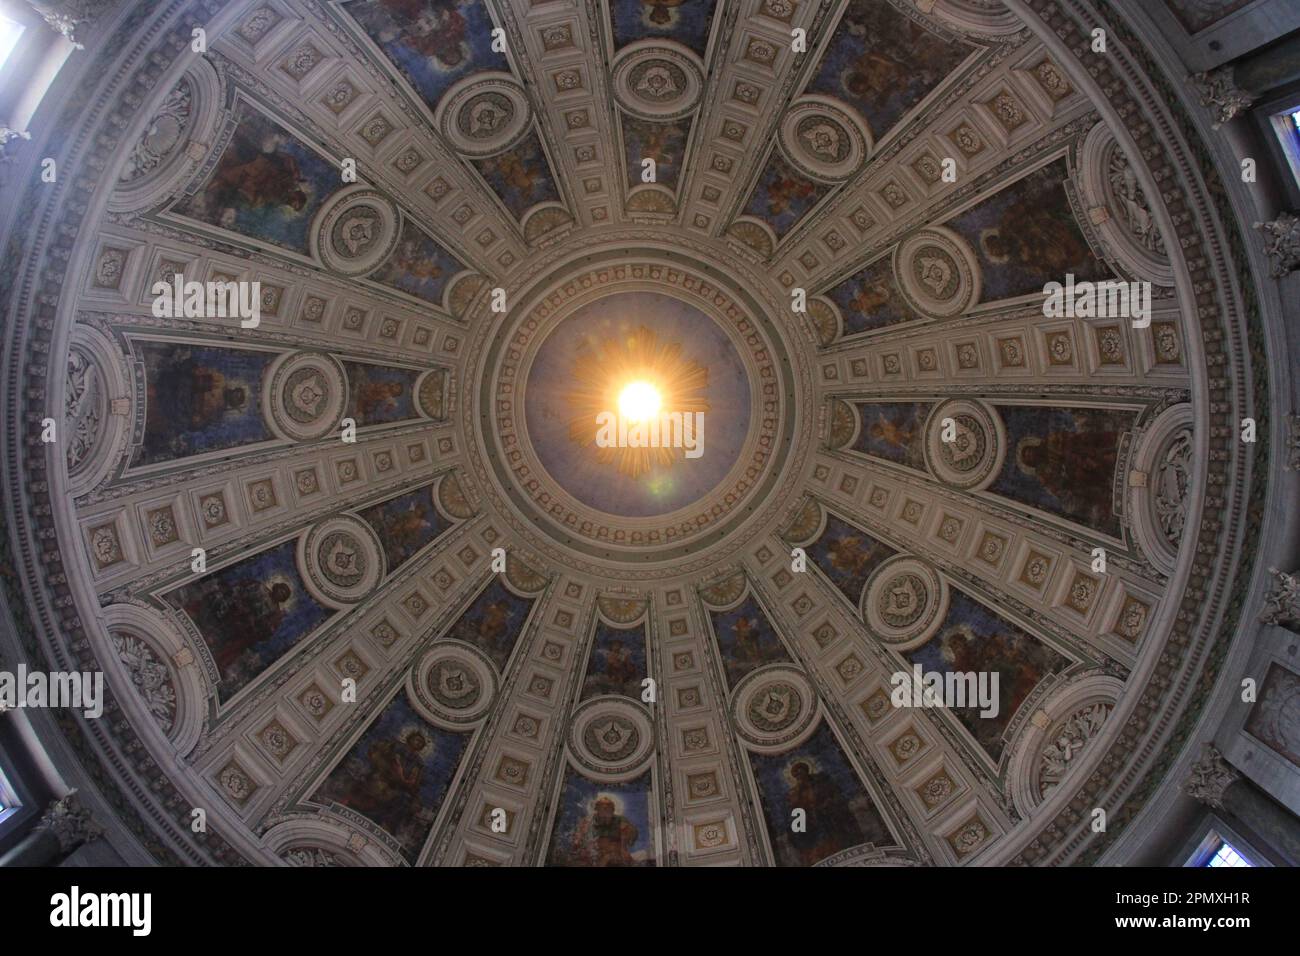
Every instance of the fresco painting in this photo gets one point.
(617, 663)
(250, 614)
(869, 299)
(894, 431)
(686, 21)
(1063, 461)
(405, 524)
(1026, 235)
(267, 185)
(817, 778)
(882, 63)
(199, 399)
(783, 195)
(493, 622)
(973, 639)
(434, 43)
(418, 266)
(603, 824)
(665, 143)
(397, 774)
(746, 640)
(378, 393)
(847, 556)
(521, 176)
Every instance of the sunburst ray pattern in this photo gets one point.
(601, 370)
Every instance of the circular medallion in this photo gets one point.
(611, 738)
(822, 140)
(938, 273)
(773, 708)
(304, 396)
(355, 231)
(964, 444)
(656, 83)
(453, 684)
(341, 560)
(484, 116)
(904, 602)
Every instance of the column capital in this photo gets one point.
(1210, 777)
(70, 822)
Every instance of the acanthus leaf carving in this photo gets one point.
(1060, 756)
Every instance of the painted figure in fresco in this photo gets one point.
(875, 71)
(240, 615)
(870, 296)
(1033, 232)
(194, 395)
(388, 791)
(619, 667)
(784, 192)
(1001, 651)
(515, 175)
(661, 12)
(1077, 467)
(604, 837)
(893, 432)
(849, 554)
(377, 396)
(408, 529)
(747, 636)
(254, 175)
(894, 53)
(436, 30)
(491, 631)
(831, 824)
(410, 260)
(654, 140)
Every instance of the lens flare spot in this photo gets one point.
(639, 401)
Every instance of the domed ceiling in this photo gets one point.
(370, 589)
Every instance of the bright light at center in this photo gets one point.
(638, 401)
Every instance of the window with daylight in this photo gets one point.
(1216, 844)
(1226, 855)
(9, 802)
(10, 33)
(1284, 118)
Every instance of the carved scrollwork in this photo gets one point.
(1120, 209)
(1066, 742)
(1057, 739)
(1282, 243)
(1162, 484)
(1171, 484)
(96, 406)
(173, 142)
(1282, 602)
(1210, 777)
